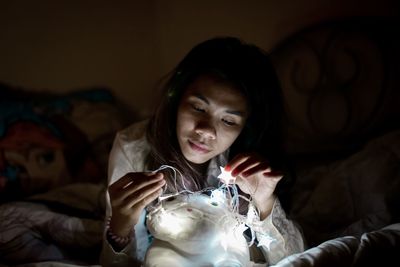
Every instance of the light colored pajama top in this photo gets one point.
(128, 153)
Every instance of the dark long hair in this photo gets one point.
(243, 65)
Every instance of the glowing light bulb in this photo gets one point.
(218, 195)
(226, 176)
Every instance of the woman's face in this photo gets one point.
(210, 117)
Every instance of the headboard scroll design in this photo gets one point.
(340, 83)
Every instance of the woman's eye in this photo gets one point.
(228, 122)
(197, 108)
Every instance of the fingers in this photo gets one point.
(275, 175)
(236, 161)
(127, 179)
(254, 169)
(146, 195)
(132, 193)
(123, 181)
(131, 183)
(142, 183)
(247, 165)
(134, 203)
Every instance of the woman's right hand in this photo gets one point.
(129, 196)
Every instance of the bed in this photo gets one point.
(341, 86)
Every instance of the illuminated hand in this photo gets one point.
(255, 177)
(129, 196)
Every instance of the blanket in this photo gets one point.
(375, 248)
(350, 196)
(54, 226)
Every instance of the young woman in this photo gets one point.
(221, 106)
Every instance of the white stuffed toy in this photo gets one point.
(196, 230)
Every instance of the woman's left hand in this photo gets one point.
(254, 177)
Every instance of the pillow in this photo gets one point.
(48, 140)
(379, 248)
(335, 252)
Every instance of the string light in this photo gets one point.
(226, 176)
(196, 224)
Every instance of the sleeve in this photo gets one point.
(277, 236)
(119, 164)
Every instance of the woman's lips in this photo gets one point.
(198, 147)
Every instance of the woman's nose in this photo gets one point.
(206, 130)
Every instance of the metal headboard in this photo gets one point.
(341, 83)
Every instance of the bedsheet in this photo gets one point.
(54, 226)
